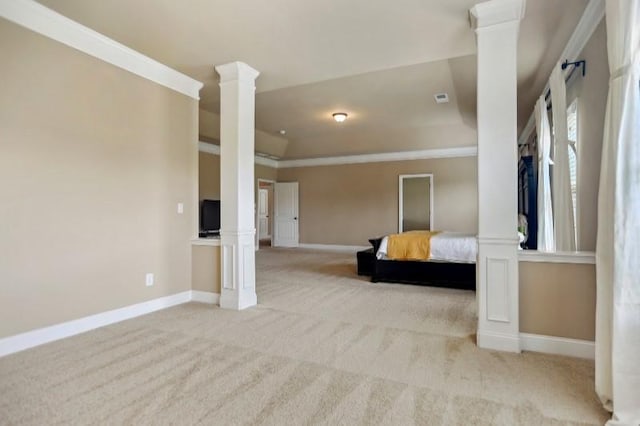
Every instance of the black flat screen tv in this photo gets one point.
(210, 216)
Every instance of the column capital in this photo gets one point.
(236, 71)
(496, 12)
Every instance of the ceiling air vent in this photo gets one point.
(441, 98)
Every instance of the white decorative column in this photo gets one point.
(496, 23)
(237, 139)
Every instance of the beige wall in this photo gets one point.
(209, 180)
(93, 161)
(264, 141)
(264, 172)
(354, 140)
(205, 269)
(349, 204)
(209, 171)
(209, 126)
(591, 91)
(558, 299)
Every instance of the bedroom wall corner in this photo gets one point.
(205, 269)
(94, 161)
(209, 175)
(348, 204)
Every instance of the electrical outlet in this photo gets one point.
(149, 279)
(180, 208)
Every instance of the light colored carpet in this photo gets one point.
(322, 347)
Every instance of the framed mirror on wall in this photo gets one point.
(415, 202)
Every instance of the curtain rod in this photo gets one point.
(564, 66)
(590, 19)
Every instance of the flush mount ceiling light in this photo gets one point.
(339, 116)
(283, 132)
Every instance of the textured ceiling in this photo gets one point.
(382, 101)
(380, 61)
(291, 42)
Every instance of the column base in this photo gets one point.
(230, 299)
(498, 341)
(238, 269)
(498, 300)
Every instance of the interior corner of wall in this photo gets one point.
(208, 124)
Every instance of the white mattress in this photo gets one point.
(446, 247)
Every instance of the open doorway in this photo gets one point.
(264, 213)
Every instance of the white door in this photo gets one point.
(285, 203)
(263, 213)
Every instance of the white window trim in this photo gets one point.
(576, 148)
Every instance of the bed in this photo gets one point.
(451, 262)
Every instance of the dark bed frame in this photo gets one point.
(437, 274)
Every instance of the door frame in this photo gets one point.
(415, 175)
(255, 208)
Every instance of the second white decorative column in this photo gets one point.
(497, 23)
(237, 140)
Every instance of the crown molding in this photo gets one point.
(425, 154)
(469, 151)
(215, 150)
(267, 162)
(589, 21)
(42, 20)
(593, 14)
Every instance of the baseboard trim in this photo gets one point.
(558, 345)
(205, 297)
(577, 257)
(30, 339)
(526, 341)
(498, 341)
(332, 247)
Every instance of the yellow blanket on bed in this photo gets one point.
(412, 245)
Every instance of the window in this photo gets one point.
(572, 130)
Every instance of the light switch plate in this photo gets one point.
(149, 279)
(180, 208)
